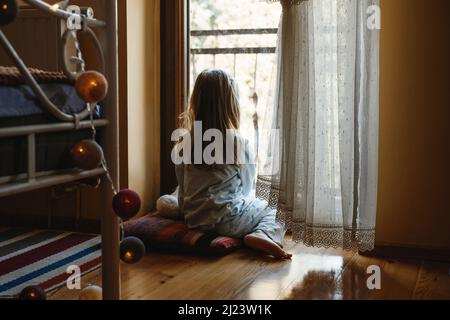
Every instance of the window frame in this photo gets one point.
(174, 80)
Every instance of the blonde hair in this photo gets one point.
(215, 103)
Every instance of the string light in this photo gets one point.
(33, 293)
(8, 11)
(126, 204)
(132, 250)
(87, 155)
(91, 292)
(91, 86)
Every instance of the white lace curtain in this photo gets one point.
(318, 165)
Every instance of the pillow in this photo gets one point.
(164, 234)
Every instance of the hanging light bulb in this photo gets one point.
(132, 250)
(91, 86)
(87, 155)
(8, 11)
(126, 204)
(33, 293)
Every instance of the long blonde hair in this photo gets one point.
(214, 102)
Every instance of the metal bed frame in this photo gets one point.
(34, 180)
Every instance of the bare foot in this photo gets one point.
(260, 241)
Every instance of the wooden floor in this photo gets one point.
(312, 274)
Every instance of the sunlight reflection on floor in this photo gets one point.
(299, 273)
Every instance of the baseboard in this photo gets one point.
(58, 223)
(409, 252)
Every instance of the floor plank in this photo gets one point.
(433, 282)
(353, 280)
(321, 278)
(313, 273)
(399, 278)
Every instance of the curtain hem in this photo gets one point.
(314, 235)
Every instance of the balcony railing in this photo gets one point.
(235, 51)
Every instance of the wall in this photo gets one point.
(143, 99)
(414, 176)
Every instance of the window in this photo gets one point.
(239, 36)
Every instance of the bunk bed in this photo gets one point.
(71, 121)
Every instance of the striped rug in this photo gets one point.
(41, 257)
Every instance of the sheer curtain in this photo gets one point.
(318, 163)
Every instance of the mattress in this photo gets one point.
(20, 101)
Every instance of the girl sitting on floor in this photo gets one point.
(216, 197)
